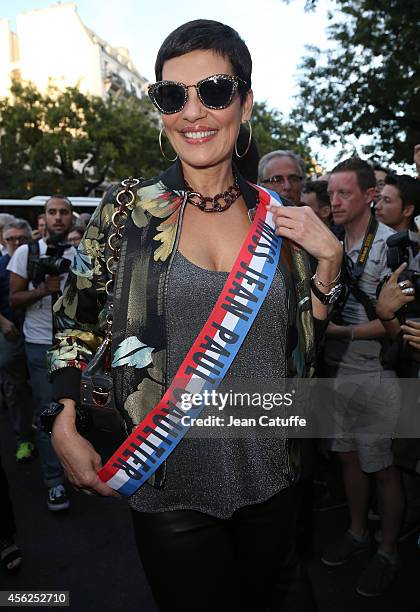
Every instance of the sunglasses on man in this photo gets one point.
(214, 92)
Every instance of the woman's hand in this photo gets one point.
(78, 457)
(411, 331)
(393, 296)
(304, 227)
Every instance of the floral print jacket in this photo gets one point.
(139, 339)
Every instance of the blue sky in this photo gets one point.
(274, 31)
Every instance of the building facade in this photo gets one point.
(53, 46)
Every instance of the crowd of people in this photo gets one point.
(364, 325)
(26, 325)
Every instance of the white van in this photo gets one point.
(30, 209)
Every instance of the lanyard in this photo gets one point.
(357, 271)
(355, 274)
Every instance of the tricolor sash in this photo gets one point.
(208, 359)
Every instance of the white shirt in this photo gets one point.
(37, 327)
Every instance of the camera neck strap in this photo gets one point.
(365, 249)
(354, 276)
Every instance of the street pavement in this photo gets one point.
(89, 551)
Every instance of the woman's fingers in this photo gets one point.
(81, 462)
(302, 225)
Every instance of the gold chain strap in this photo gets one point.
(125, 198)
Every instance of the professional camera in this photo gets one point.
(403, 247)
(53, 264)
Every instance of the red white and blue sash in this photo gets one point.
(207, 361)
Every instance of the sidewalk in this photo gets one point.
(89, 551)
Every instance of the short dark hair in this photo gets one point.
(378, 168)
(58, 196)
(208, 35)
(320, 189)
(364, 172)
(408, 188)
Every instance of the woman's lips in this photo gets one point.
(198, 136)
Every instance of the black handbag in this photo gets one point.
(109, 428)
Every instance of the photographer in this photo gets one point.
(393, 297)
(398, 309)
(367, 400)
(38, 273)
(398, 304)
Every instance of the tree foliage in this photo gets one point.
(369, 83)
(68, 142)
(71, 143)
(272, 131)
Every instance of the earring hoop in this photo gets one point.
(249, 141)
(161, 148)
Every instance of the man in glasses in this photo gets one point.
(380, 175)
(283, 172)
(5, 219)
(14, 386)
(315, 195)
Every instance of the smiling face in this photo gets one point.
(203, 137)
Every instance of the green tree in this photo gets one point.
(272, 131)
(71, 143)
(369, 83)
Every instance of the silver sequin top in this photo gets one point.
(216, 475)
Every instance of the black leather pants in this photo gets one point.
(247, 563)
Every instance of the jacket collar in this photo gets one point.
(173, 178)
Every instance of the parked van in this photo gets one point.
(30, 209)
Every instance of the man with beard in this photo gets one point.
(34, 291)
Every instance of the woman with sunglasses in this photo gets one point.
(215, 524)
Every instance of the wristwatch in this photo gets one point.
(326, 298)
(48, 416)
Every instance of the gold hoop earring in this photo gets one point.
(161, 148)
(249, 141)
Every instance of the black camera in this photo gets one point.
(403, 247)
(53, 264)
